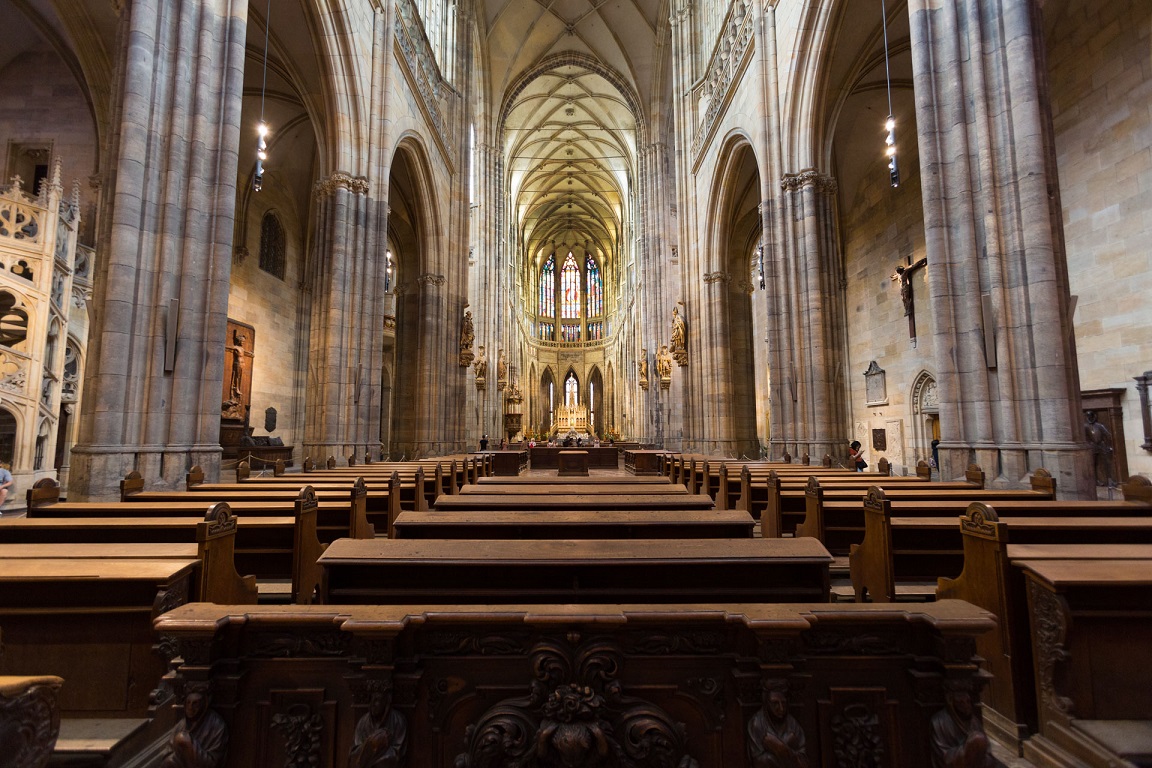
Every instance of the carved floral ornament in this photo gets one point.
(357, 185)
(791, 182)
(576, 714)
(431, 279)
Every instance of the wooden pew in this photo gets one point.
(340, 512)
(439, 477)
(1091, 628)
(583, 501)
(788, 495)
(991, 581)
(563, 486)
(419, 572)
(839, 522)
(689, 676)
(604, 524)
(645, 482)
(754, 483)
(217, 580)
(925, 549)
(90, 622)
(281, 546)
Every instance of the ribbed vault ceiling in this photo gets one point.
(571, 77)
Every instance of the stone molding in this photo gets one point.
(716, 277)
(431, 279)
(357, 185)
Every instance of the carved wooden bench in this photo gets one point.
(590, 570)
(992, 581)
(1091, 628)
(691, 678)
(28, 707)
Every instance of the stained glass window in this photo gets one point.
(547, 330)
(595, 331)
(570, 288)
(548, 288)
(595, 287)
(570, 332)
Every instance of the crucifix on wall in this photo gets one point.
(903, 273)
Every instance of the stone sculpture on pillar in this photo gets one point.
(642, 365)
(481, 368)
(679, 347)
(467, 337)
(501, 371)
(664, 366)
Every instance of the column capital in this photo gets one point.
(357, 185)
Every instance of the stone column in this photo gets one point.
(345, 346)
(165, 234)
(1009, 386)
(808, 412)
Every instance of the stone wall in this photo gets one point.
(882, 228)
(271, 306)
(1101, 88)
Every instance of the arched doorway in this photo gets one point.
(925, 417)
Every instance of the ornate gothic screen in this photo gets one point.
(570, 288)
(548, 288)
(595, 287)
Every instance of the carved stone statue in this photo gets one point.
(381, 737)
(501, 370)
(775, 738)
(467, 337)
(200, 740)
(679, 346)
(642, 365)
(481, 367)
(1100, 441)
(664, 363)
(956, 733)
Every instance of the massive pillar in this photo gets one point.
(807, 400)
(153, 382)
(1009, 385)
(347, 276)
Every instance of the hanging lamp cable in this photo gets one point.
(890, 123)
(262, 127)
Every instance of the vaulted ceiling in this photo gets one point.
(574, 82)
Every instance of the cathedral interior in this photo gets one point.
(571, 174)
(748, 229)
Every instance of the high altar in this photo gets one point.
(572, 419)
